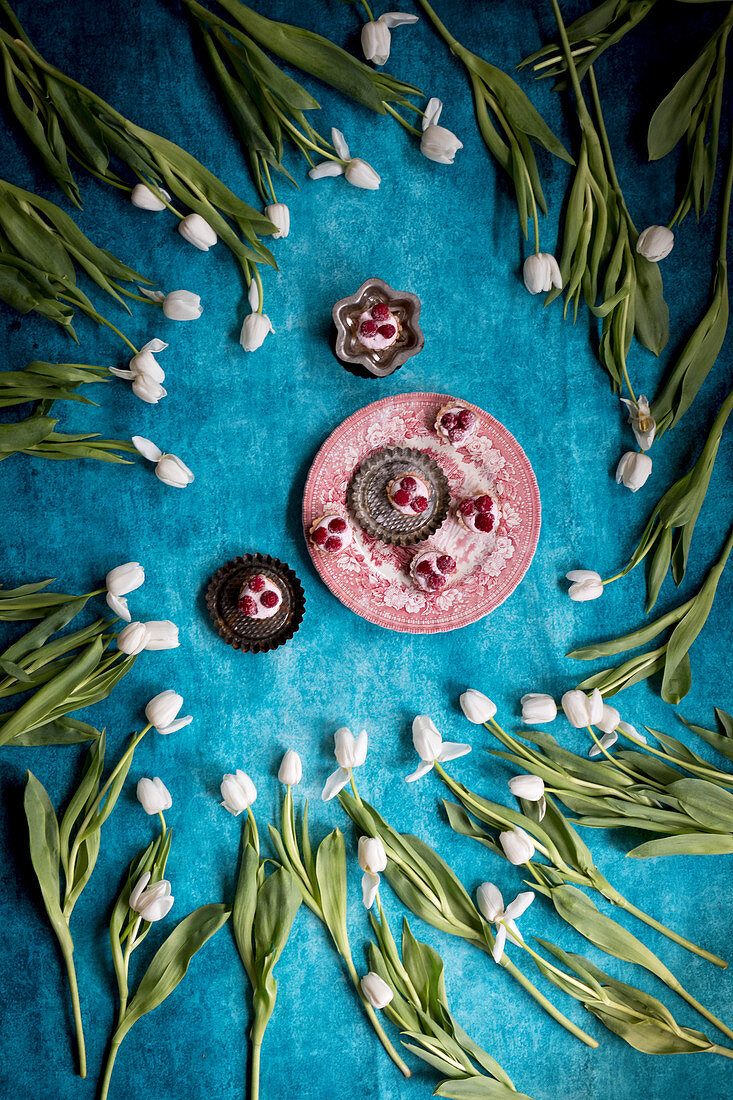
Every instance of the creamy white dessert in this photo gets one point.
(456, 423)
(331, 533)
(409, 493)
(430, 569)
(260, 598)
(479, 514)
(378, 327)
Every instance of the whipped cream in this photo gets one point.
(378, 341)
(259, 588)
(430, 569)
(331, 533)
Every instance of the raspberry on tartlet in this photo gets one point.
(456, 423)
(259, 597)
(430, 569)
(409, 493)
(331, 533)
(479, 513)
(378, 328)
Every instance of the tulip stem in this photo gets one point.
(373, 1019)
(266, 168)
(402, 121)
(254, 1091)
(710, 773)
(622, 903)
(357, 796)
(367, 9)
(76, 1006)
(622, 767)
(109, 1065)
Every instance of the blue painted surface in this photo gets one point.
(249, 427)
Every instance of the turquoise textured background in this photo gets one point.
(249, 427)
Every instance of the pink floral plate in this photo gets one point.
(372, 578)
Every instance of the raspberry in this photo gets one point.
(484, 503)
(466, 418)
(419, 504)
(423, 567)
(256, 583)
(387, 331)
(484, 522)
(380, 312)
(368, 328)
(466, 507)
(337, 524)
(435, 581)
(248, 606)
(269, 598)
(401, 497)
(455, 436)
(320, 535)
(446, 564)
(448, 421)
(333, 543)
(408, 483)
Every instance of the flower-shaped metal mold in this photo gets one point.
(406, 309)
(369, 504)
(240, 631)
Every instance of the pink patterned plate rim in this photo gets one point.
(372, 578)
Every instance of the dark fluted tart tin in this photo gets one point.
(402, 304)
(238, 630)
(369, 504)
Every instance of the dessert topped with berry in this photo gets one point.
(378, 327)
(456, 423)
(478, 513)
(430, 569)
(259, 597)
(331, 533)
(409, 493)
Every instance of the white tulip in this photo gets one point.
(431, 748)
(437, 143)
(119, 582)
(655, 243)
(531, 788)
(279, 215)
(518, 845)
(643, 424)
(162, 712)
(376, 39)
(131, 639)
(197, 231)
(609, 719)
(238, 792)
(350, 753)
(581, 709)
(256, 325)
(606, 741)
(372, 860)
(151, 902)
(168, 468)
(291, 769)
(491, 907)
(633, 470)
(538, 708)
(182, 305)
(630, 731)
(541, 272)
(153, 796)
(357, 171)
(376, 990)
(145, 372)
(146, 199)
(586, 585)
(162, 634)
(477, 707)
(149, 392)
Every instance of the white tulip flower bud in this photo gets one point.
(437, 143)
(477, 707)
(119, 582)
(197, 231)
(529, 787)
(238, 792)
(655, 243)
(609, 719)
(291, 769)
(153, 796)
(372, 856)
(350, 751)
(541, 272)
(182, 305)
(255, 328)
(360, 174)
(376, 39)
(162, 712)
(168, 468)
(151, 902)
(582, 710)
(518, 846)
(279, 215)
(586, 585)
(132, 638)
(146, 199)
(376, 990)
(538, 708)
(633, 470)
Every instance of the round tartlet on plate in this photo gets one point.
(370, 505)
(372, 577)
(255, 633)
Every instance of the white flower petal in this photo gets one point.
(336, 782)
(498, 949)
(146, 448)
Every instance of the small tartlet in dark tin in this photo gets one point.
(370, 506)
(402, 304)
(241, 632)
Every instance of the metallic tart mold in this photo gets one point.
(405, 307)
(241, 632)
(370, 506)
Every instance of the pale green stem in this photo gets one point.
(266, 168)
(76, 1007)
(104, 1087)
(402, 121)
